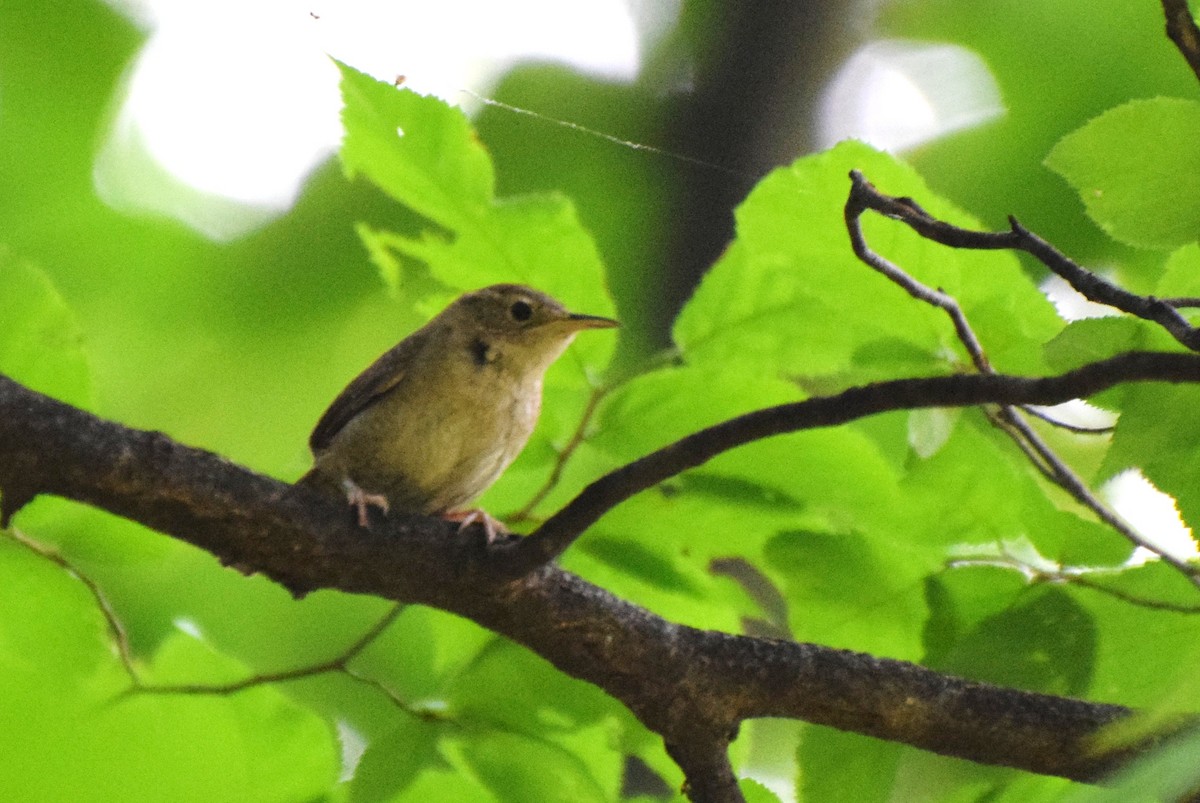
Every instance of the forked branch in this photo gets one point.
(864, 196)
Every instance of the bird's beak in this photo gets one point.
(580, 322)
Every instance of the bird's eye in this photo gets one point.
(520, 311)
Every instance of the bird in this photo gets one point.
(435, 420)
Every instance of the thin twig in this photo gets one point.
(656, 360)
(1142, 602)
(1095, 288)
(997, 418)
(1182, 30)
(864, 196)
(1091, 285)
(1063, 576)
(559, 531)
(921, 292)
(125, 652)
(338, 663)
(1060, 424)
(1068, 480)
(564, 455)
(115, 627)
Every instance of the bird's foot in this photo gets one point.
(360, 500)
(493, 528)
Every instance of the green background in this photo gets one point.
(238, 347)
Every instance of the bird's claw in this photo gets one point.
(493, 528)
(360, 500)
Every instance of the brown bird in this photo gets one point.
(436, 420)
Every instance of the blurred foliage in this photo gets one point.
(237, 348)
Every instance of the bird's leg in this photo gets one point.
(492, 527)
(360, 500)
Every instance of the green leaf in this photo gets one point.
(1144, 655)
(390, 764)
(842, 767)
(450, 785)
(1181, 277)
(1154, 581)
(1070, 539)
(62, 642)
(735, 504)
(848, 767)
(960, 781)
(521, 768)
(418, 651)
(988, 625)
(839, 469)
(754, 792)
(679, 537)
(537, 699)
(1168, 772)
(997, 169)
(57, 669)
(439, 169)
(1137, 171)
(639, 561)
(928, 430)
(287, 751)
(417, 149)
(699, 599)
(1094, 339)
(790, 297)
(852, 590)
(644, 414)
(966, 607)
(41, 344)
(979, 488)
(62, 683)
(1159, 432)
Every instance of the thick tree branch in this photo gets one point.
(693, 687)
(705, 764)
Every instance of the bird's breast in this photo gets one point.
(449, 436)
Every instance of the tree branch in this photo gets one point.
(861, 194)
(561, 529)
(1092, 286)
(690, 686)
(705, 764)
(1007, 417)
(1182, 30)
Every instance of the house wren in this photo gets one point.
(436, 420)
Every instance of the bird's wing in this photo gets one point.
(367, 388)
